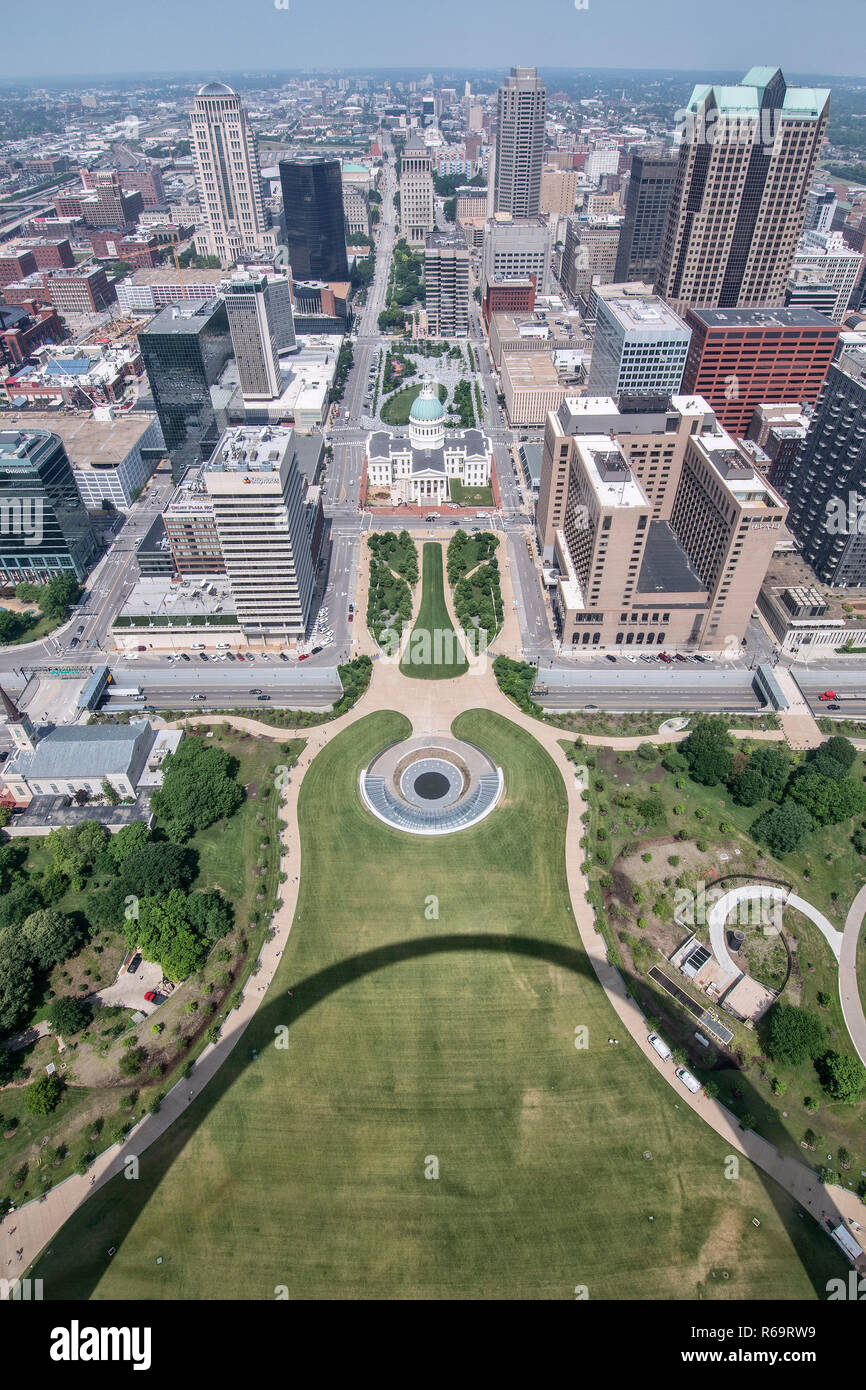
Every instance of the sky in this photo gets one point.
(83, 37)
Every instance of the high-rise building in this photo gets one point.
(648, 200)
(416, 192)
(315, 223)
(513, 249)
(740, 358)
(228, 177)
(660, 528)
(589, 256)
(829, 253)
(746, 162)
(820, 207)
(268, 530)
(446, 276)
(184, 349)
(44, 527)
(809, 288)
(639, 347)
(260, 320)
(521, 113)
(826, 484)
(558, 191)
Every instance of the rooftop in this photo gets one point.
(84, 750)
(666, 568)
(89, 443)
(609, 473)
(797, 316)
(529, 369)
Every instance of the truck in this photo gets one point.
(125, 692)
(660, 1046)
(690, 1082)
(482, 516)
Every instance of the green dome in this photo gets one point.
(426, 408)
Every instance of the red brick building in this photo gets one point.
(509, 296)
(741, 358)
(24, 328)
(15, 266)
(49, 253)
(110, 243)
(81, 291)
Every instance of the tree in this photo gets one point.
(709, 750)
(165, 933)
(44, 1095)
(783, 829)
(843, 1077)
(792, 1034)
(74, 849)
(127, 840)
(748, 787)
(18, 903)
(17, 980)
(156, 868)
(828, 800)
(198, 788)
(68, 1015)
(51, 936)
(765, 775)
(58, 595)
(652, 810)
(840, 749)
(210, 914)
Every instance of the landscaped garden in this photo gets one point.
(433, 651)
(473, 573)
(195, 894)
(393, 573)
(667, 826)
(432, 1108)
(395, 410)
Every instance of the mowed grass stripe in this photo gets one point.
(433, 652)
(306, 1167)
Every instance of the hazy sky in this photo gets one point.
(75, 37)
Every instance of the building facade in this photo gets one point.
(417, 217)
(315, 221)
(44, 528)
(746, 161)
(419, 468)
(228, 178)
(639, 348)
(521, 114)
(184, 349)
(647, 203)
(513, 250)
(446, 276)
(260, 321)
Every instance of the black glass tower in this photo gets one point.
(184, 350)
(315, 224)
(650, 189)
(44, 527)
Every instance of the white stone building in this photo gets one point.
(418, 468)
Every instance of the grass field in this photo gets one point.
(471, 496)
(433, 652)
(437, 988)
(395, 409)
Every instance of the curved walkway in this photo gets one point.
(433, 705)
(762, 892)
(849, 993)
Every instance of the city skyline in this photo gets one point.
(386, 35)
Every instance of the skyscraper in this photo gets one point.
(826, 485)
(639, 347)
(315, 222)
(416, 192)
(521, 110)
(228, 177)
(44, 527)
(746, 162)
(446, 275)
(646, 209)
(184, 350)
(260, 320)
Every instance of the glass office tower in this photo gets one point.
(315, 222)
(184, 350)
(44, 527)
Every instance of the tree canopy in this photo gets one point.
(709, 750)
(793, 1034)
(198, 788)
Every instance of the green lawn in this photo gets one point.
(471, 496)
(433, 652)
(395, 409)
(437, 985)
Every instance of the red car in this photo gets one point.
(668, 660)
(240, 656)
(304, 656)
(150, 997)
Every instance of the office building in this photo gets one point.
(446, 276)
(44, 528)
(260, 321)
(530, 385)
(513, 250)
(809, 288)
(312, 189)
(830, 255)
(820, 208)
(267, 528)
(658, 526)
(589, 255)
(101, 201)
(190, 528)
(746, 161)
(184, 349)
(148, 182)
(547, 330)
(739, 358)
(780, 430)
(145, 291)
(558, 191)
(49, 253)
(111, 459)
(228, 178)
(24, 328)
(84, 290)
(647, 202)
(321, 308)
(521, 114)
(416, 192)
(356, 210)
(506, 296)
(826, 485)
(639, 347)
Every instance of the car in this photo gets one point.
(73, 643)
(678, 656)
(80, 627)
(283, 656)
(660, 1046)
(668, 660)
(303, 656)
(199, 697)
(265, 656)
(645, 657)
(230, 656)
(590, 707)
(351, 607)
(828, 695)
(184, 657)
(257, 690)
(150, 998)
(202, 656)
(315, 651)
(264, 697)
(610, 657)
(628, 656)
(834, 706)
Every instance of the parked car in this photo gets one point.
(150, 998)
(678, 656)
(184, 657)
(610, 657)
(304, 656)
(315, 651)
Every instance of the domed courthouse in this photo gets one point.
(418, 468)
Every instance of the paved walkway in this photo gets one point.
(849, 993)
(432, 706)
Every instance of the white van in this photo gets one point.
(690, 1082)
(481, 516)
(196, 646)
(660, 1046)
(223, 646)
